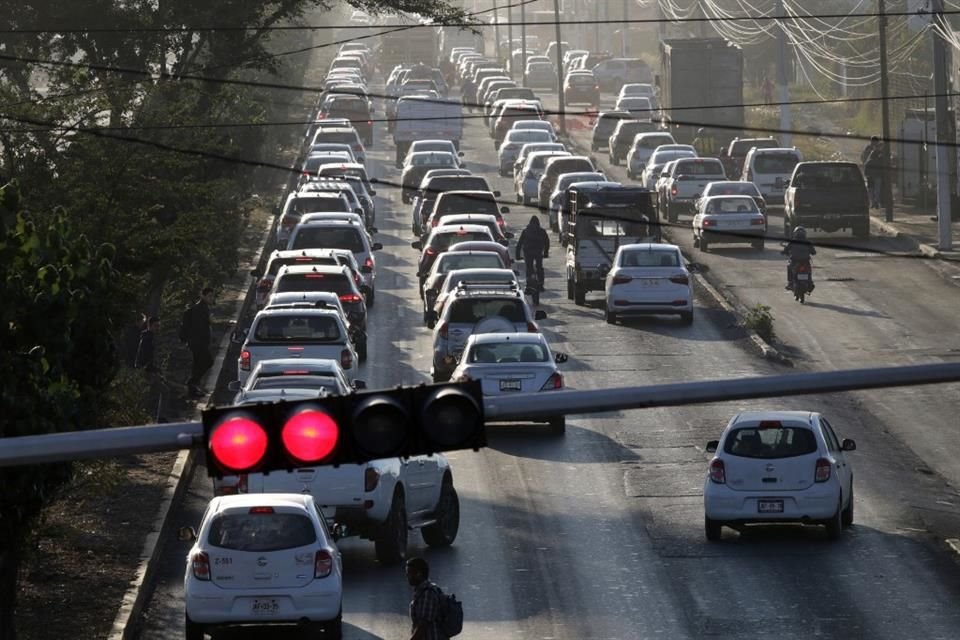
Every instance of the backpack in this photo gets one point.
(185, 319)
(450, 620)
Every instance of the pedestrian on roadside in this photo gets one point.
(195, 332)
(874, 167)
(767, 88)
(146, 350)
(425, 605)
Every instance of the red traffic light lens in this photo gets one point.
(238, 443)
(310, 436)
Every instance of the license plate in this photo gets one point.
(769, 506)
(265, 607)
(803, 276)
(650, 282)
(509, 385)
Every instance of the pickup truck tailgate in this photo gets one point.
(329, 486)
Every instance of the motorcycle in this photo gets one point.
(802, 280)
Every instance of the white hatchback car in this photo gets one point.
(507, 363)
(778, 466)
(262, 559)
(648, 279)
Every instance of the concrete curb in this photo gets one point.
(729, 304)
(928, 251)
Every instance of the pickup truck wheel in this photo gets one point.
(579, 295)
(862, 230)
(558, 425)
(787, 230)
(443, 532)
(686, 317)
(192, 630)
(713, 529)
(391, 543)
(362, 351)
(569, 289)
(758, 245)
(609, 316)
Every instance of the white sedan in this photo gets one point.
(262, 559)
(779, 467)
(729, 219)
(507, 363)
(647, 279)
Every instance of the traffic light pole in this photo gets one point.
(105, 443)
(561, 99)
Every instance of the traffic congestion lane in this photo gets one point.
(599, 534)
(875, 303)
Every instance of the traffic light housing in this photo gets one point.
(349, 429)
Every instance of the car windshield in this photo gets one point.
(291, 328)
(451, 261)
(775, 163)
(328, 237)
(507, 352)
(260, 532)
(650, 258)
(471, 311)
(770, 443)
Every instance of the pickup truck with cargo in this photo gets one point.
(829, 196)
(421, 118)
(685, 183)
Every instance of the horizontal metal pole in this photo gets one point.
(106, 443)
(542, 405)
(99, 443)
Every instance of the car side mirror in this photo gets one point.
(848, 445)
(359, 385)
(504, 209)
(239, 335)
(560, 357)
(712, 446)
(373, 229)
(376, 246)
(233, 385)
(358, 211)
(373, 192)
(508, 234)
(187, 534)
(496, 194)
(416, 244)
(374, 181)
(540, 314)
(460, 153)
(256, 273)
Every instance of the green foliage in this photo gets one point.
(760, 319)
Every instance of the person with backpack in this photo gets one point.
(195, 333)
(433, 614)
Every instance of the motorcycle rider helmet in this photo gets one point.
(701, 131)
(799, 233)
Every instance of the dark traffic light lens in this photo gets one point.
(451, 418)
(310, 436)
(380, 426)
(238, 443)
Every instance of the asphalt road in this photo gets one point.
(599, 534)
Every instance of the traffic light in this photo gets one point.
(350, 429)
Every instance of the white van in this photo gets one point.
(770, 170)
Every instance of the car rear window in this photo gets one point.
(443, 240)
(652, 142)
(629, 129)
(734, 188)
(291, 328)
(479, 203)
(829, 176)
(276, 263)
(770, 442)
(458, 183)
(733, 205)
(507, 352)
(650, 259)
(317, 205)
(775, 163)
(310, 381)
(343, 137)
(741, 147)
(451, 283)
(259, 532)
(324, 237)
(467, 311)
(451, 261)
(699, 167)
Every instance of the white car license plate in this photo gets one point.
(650, 282)
(265, 607)
(803, 276)
(769, 506)
(509, 385)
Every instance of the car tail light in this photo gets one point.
(201, 566)
(368, 262)
(430, 251)
(442, 330)
(707, 222)
(371, 478)
(346, 359)
(290, 221)
(264, 284)
(757, 222)
(822, 473)
(681, 279)
(673, 190)
(532, 327)
(322, 564)
(718, 472)
(555, 381)
(245, 360)
(350, 298)
(501, 223)
(622, 279)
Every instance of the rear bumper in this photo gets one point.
(831, 221)
(816, 503)
(209, 604)
(744, 236)
(632, 307)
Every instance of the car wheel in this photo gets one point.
(579, 295)
(333, 629)
(569, 289)
(558, 425)
(713, 529)
(609, 316)
(758, 245)
(192, 630)
(362, 351)
(704, 245)
(443, 532)
(862, 230)
(630, 175)
(787, 233)
(846, 518)
(835, 523)
(391, 543)
(371, 298)
(519, 199)
(439, 377)
(686, 317)
(696, 242)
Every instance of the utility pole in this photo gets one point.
(596, 27)
(523, 43)
(510, 38)
(887, 184)
(943, 127)
(496, 29)
(561, 102)
(623, 28)
(782, 77)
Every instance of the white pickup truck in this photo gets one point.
(297, 332)
(685, 184)
(381, 500)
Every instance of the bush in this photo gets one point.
(760, 319)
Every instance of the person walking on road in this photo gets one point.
(873, 169)
(195, 332)
(533, 246)
(705, 143)
(146, 350)
(426, 603)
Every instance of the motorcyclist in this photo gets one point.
(799, 249)
(533, 246)
(705, 144)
